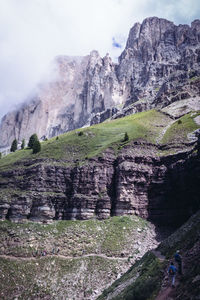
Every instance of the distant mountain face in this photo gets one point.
(160, 65)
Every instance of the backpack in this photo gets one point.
(171, 271)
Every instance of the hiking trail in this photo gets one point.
(11, 257)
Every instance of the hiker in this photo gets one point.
(172, 273)
(178, 260)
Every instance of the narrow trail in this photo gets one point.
(162, 133)
(165, 292)
(12, 257)
(19, 258)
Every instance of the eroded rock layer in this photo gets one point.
(137, 181)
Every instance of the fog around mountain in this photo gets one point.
(32, 33)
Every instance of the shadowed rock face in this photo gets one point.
(155, 69)
(163, 189)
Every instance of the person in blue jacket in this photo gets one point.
(178, 260)
(172, 273)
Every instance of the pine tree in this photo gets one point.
(36, 147)
(13, 146)
(23, 144)
(0, 155)
(32, 139)
(126, 137)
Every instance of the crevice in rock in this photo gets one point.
(9, 213)
(112, 191)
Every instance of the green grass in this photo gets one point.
(146, 276)
(53, 278)
(110, 236)
(72, 146)
(62, 278)
(178, 131)
(143, 280)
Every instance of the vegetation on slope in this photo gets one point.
(148, 276)
(84, 143)
(90, 256)
(89, 142)
(179, 130)
(110, 236)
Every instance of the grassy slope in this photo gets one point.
(72, 146)
(66, 277)
(54, 278)
(178, 131)
(143, 280)
(109, 237)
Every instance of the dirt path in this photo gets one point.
(11, 257)
(166, 290)
(162, 133)
(164, 294)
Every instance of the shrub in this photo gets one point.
(57, 138)
(23, 144)
(80, 133)
(179, 121)
(36, 147)
(14, 146)
(32, 139)
(0, 155)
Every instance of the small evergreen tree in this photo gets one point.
(36, 147)
(126, 137)
(23, 144)
(32, 139)
(0, 155)
(13, 146)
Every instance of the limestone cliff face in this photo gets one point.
(158, 56)
(82, 86)
(156, 68)
(137, 181)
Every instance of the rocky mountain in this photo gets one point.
(158, 66)
(95, 173)
(129, 180)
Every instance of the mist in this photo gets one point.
(33, 32)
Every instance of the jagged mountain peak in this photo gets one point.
(156, 66)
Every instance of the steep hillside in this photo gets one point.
(148, 279)
(82, 257)
(94, 173)
(159, 65)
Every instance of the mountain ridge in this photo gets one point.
(157, 65)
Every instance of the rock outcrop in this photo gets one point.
(160, 65)
(137, 181)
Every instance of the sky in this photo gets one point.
(33, 32)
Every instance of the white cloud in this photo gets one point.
(33, 32)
